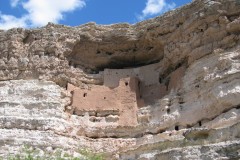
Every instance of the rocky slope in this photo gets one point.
(170, 86)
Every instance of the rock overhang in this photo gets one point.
(195, 51)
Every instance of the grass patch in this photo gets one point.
(30, 153)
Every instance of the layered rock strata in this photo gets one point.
(165, 88)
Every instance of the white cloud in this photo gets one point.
(9, 21)
(154, 7)
(43, 11)
(40, 12)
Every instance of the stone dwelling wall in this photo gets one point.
(128, 93)
(104, 104)
(146, 74)
(94, 99)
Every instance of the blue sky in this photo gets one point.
(37, 13)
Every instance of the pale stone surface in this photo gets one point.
(181, 99)
(113, 76)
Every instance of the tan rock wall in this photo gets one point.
(192, 113)
(152, 93)
(176, 79)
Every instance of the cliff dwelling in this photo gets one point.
(166, 88)
(122, 94)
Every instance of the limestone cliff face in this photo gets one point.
(165, 88)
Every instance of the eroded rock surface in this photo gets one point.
(165, 88)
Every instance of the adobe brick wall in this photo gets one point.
(104, 101)
(127, 93)
(96, 98)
